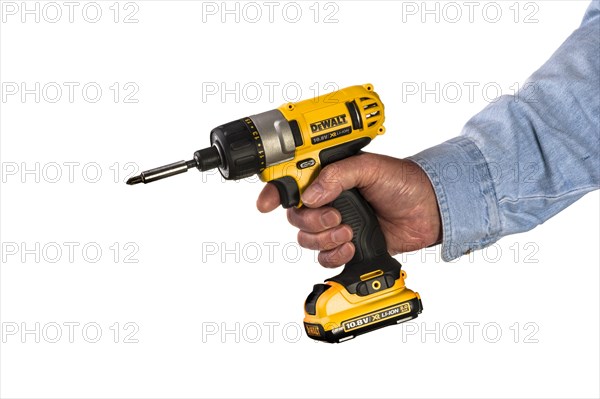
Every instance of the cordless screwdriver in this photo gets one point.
(287, 147)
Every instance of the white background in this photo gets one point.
(185, 285)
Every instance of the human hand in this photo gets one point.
(398, 190)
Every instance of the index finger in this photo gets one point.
(268, 199)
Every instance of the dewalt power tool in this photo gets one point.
(287, 147)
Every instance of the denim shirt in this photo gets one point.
(518, 163)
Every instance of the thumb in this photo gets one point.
(355, 171)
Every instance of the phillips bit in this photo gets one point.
(162, 172)
(205, 159)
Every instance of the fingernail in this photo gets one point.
(312, 193)
(330, 219)
(341, 235)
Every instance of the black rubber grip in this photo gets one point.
(369, 242)
(367, 238)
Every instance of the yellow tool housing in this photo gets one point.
(324, 122)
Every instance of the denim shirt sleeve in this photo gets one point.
(524, 158)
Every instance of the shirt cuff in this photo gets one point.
(465, 195)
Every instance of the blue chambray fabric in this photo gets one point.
(526, 157)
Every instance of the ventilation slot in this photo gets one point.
(372, 111)
(366, 107)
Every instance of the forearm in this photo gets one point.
(524, 158)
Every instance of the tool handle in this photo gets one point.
(371, 253)
(368, 239)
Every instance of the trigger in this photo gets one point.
(289, 194)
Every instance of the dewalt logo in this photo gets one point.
(312, 330)
(328, 123)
